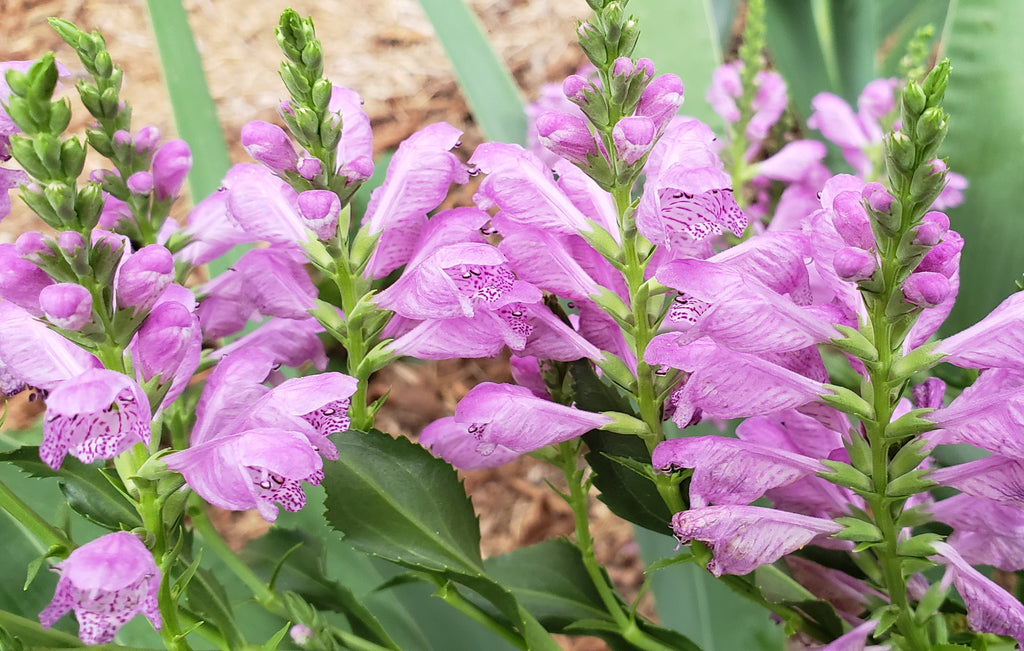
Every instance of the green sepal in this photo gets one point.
(55, 551)
(317, 253)
(855, 344)
(858, 530)
(72, 158)
(603, 243)
(934, 85)
(60, 116)
(42, 77)
(625, 424)
(109, 101)
(887, 616)
(913, 102)
(926, 184)
(61, 198)
(89, 205)
(48, 149)
(25, 154)
(848, 402)
(909, 484)
(919, 359)
(912, 565)
(900, 155)
(330, 131)
(592, 43)
(99, 140)
(860, 451)
(909, 424)
(40, 206)
(932, 127)
(908, 458)
(913, 517)
(20, 112)
(17, 81)
(595, 107)
(919, 546)
(613, 305)
(616, 370)
(843, 474)
(932, 600)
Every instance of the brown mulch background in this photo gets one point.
(385, 50)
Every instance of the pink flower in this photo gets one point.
(107, 582)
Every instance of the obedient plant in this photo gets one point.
(735, 346)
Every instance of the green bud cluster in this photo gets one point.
(53, 163)
(610, 34)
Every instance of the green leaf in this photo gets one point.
(195, 113)
(33, 636)
(798, 52)
(689, 599)
(550, 580)
(490, 91)
(682, 37)
(209, 602)
(87, 489)
(304, 573)
(983, 100)
(852, 24)
(391, 498)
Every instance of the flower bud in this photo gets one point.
(320, 209)
(931, 128)
(270, 145)
(32, 245)
(66, 305)
(900, 153)
(851, 220)
(171, 165)
(854, 264)
(593, 44)
(574, 88)
(122, 138)
(70, 242)
(633, 138)
(944, 258)
(623, 66)
(932, 229)
(168, 335)
(928, 181)
(357, 170)
(926, 288)
(147, 139)
(661, 100)
(309, 167)
(566, 135)
(144, 276)
(140, 183)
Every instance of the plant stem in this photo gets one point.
(451, 595)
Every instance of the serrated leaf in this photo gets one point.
(209, 602)
(304, 573)
(88, 491)
(392, 498)
(550, 580)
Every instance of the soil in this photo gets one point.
(385, 50)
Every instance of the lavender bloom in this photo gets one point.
(416, 183)
(107, 582)
(985, 415)
(743, 538)
(290, 342)
(355, 149)
(21, 280)
(849, 595)
(98, 414)
(270, 145)
(990, 609)
(985, 532)
(729, 471)
(926, 288)
(212, 231)
(633, 137)
(737, 311)
(36, 355)
(660, 100)
(320, 210)
(264, 206)
(720, 379)
(168, 346)
(854, 133)
(143, 276)
(171, 165)
(768, 104)
(997, 341)
(855, 639)
(552, 98)
(9, 179)
(998, 479)
(255, 468)
(495, 423)
(140, 183)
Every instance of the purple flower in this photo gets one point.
(320, 210)
(36, 355)
(661, 99)
(21, 280)
(494, 423)
(743, 538)
(729, 471)
(997, 341)
(168, 346)
(290, 342)
(552, 98)
(795, 162)
(143, 276)
(985, 532)
(355, 149)
(417, 182)
(854, 133)
(171, 165)
(737, 311)
(9, 179)
(66, 305)
(98, 414)
(212, 231)
(255, 468)
(684, 205)
(107, 582)
(633, 137)
(987, 415)
(990, 609)
(720, 381)
(768, 104)
(264, 206)
(993, 478)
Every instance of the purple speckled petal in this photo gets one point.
(743, 538)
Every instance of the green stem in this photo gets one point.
(47, 534)
(357, 643)
(451, 595)
(356, 345)
(578, 500)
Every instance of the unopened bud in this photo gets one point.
(171, 165)
(926, 289)
(574, 88)
(900, 153)
(309, 167)
(854, 264)
(593, 44)
(851, 220)
(140, 183)
(147, 139)
(144, 276)
(913, 101)
(357, 170)
(270, 145)
(661, 100)
(319, 210)
(932, 229)
(66, 305)
(932, 127)
(566, 135)
(32, 245)
(633, 137)
(944, 258)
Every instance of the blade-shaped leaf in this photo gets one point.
(798, 52)
(88, 491)
(984, 100)
(304, 573)
(490, 90)
(391, 498)
(33, 636)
